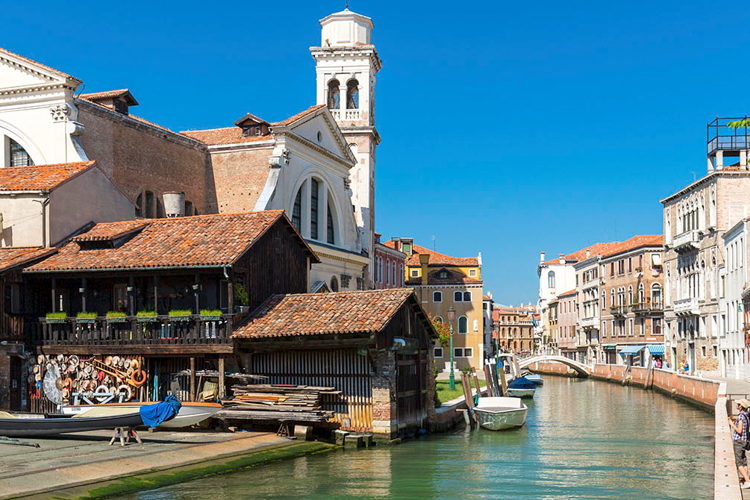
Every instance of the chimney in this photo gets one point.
(561, 257)
(588, 253)
(542, 256)
(424, 262)
(174, 204)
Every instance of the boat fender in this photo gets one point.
(138, 378)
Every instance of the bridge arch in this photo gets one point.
(580, 368)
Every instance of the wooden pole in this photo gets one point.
(221, 378)
(476, 383)
(192, 379)
(503, 382)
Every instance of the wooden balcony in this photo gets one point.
(155, 334)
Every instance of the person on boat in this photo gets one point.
(739, 428)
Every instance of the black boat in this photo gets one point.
(26, 425)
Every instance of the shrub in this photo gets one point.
(57, 315)
(180, 312)
(210, 312)
(146, 314)
(86, 315)
(116, 314)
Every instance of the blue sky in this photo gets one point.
(508, 127)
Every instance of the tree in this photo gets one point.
(444, 331)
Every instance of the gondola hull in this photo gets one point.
(52, 425)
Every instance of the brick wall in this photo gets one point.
(239, 177)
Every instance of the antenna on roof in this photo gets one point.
(433, 243)
(346, 5)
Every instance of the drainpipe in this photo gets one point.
(43, 213)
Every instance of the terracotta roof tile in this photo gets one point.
(436, 258)
(595, 249)
(361, 312)
(110, 94)
(569, 292)
(231, 135)
(641, 240)
(15, 256)
(40, 177)
(453, 278)
(200, 240)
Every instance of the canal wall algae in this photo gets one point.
(709, 395)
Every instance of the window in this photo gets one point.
(443, 274)
(656, 326)
(334, 284)
(415, 273)
(463, 352)
(463, 324)
(467, 296)
(352, 94)
(458, 297)
(472, 272)
(330, 232)
(438, 353)
(18, 156)
(334, 95)
(656, 294)
(439, 319)
(314, 196)
(437, 296)
(551, 279)
(468, 352)
(297, 211)
(406, 248)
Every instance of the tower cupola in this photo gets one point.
(345, 29)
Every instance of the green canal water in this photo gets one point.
(583, 439)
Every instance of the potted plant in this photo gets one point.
(146, 316)
(210, 314)
(180, 314)
(56, 317)
(116, 317)
(241, 298)
(86, 317)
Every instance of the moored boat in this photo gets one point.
(521, 387)
(189, 414)
(29, 425)
(497, 414)
(535, 378)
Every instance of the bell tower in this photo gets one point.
(346, 64)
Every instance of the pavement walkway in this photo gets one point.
(86, 458)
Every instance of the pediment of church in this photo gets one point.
(321, 129)
(19, 72)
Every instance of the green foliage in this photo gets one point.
(116, 314)
(57, 315)
(241, 297)
(745, 122)
(146, 314)
(83, 315)
(210, 312)
(444, 331)
(180, 312)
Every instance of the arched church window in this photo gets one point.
(314, 197)
(551, 279)
(334, 95)
(352, 94)
(297, 210)
(334, 284)
(149, 210)
(139, 205)
(18, 156)
(330, 231)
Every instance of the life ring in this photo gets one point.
(101, 393)
(138, 378)
(125, 388)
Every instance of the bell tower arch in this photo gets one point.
(346, 63)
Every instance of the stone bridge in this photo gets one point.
(580, 368)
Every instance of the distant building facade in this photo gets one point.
(389, 266)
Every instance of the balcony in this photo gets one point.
(347, 114)
(618, 310)
(687, 241)
(647, 307)
(586, 323)
(686, 307)
(153, 331)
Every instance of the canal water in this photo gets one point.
(583, 439)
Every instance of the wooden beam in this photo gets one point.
(222, 390)
(192, 379)
(140, 350)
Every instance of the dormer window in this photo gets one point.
(443, 274)
(252, 126)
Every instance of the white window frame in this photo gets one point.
(436, 351)
(458, 324)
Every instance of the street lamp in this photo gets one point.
(451, 317)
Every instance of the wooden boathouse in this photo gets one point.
(374, 346)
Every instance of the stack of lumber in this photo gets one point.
(293, 403)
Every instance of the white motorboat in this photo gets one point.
(534, 378)
(521, 393)
(497, 414)
(190, 413)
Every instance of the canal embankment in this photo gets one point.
(84, 465)
(710, 395)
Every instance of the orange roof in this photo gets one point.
(595, 249)
(569, 292)
(231, 135)
(196, 241)
(40, 177)
(15, 256)
(641, 240)
(110, 94)
(364, 312)
(436, 258)
(453, 278)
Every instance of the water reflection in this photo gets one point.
(583, 439)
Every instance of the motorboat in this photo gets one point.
(501, 413)
(521, 387)
(536, 379)
(29, 425)
(189, 414)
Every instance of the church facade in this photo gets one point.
(317, 166)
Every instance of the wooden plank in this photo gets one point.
(142, 349)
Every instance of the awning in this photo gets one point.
(609, 347)
(630, 350)
(656, 350)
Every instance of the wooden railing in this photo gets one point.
(133, 330)
(11, 327)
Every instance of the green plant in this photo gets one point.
(146, 314)
(180, 312)
(444, 331)
(210, 312)
(241, 297)
(745, 122)
(116, 314)
(57, 315)
(86, 315)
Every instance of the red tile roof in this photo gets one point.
(40, 177)
(436, 258)
(15, 256)
(641, 240)
(595, 249)
(454, 278)
(362, 312)
(569, 292)
(231, 135)
(200, 240)
(110, 94)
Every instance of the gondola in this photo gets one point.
(29, 425)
